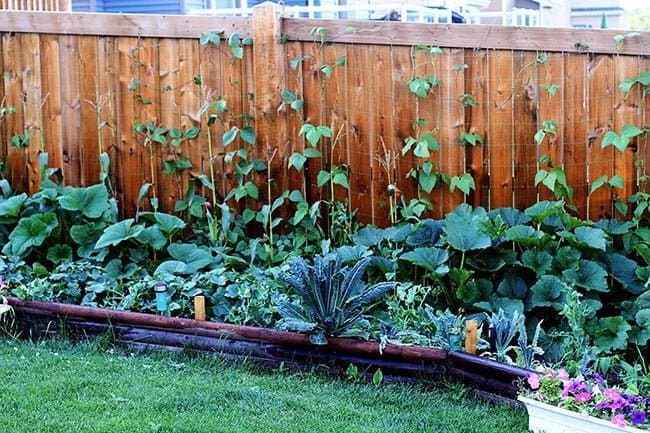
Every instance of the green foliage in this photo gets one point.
(333, 297)
(422, 86)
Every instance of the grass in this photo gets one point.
(60, 387)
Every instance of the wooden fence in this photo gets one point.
(79, 83)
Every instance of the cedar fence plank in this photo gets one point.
(601, 119)
(500, 139)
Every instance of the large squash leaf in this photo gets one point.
(91, 201)
(30, 232)
(463, 229)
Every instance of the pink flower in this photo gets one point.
(533, 381)
(618, 420)
(583, 397)
(562, 374)
(2, 283)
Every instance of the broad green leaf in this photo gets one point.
(543, 209)
(230, 136)
(297, 160)
(168, 224)
(323, 178)
(538, 261)
(172, 267)
(512, 286)
(421, 149)
(119, 232)
(642, 317)
(587, 237)
(341, 179)
(611, 333)
(91, 201)
(193, 256)
(623, 270)
(589, 275)
(432, 259)
(602, 180)
(59, 253)
(462, 229)
(310, 152)
(247, 134)
(427, 181)
(548, 291)
(153, 237)
(525, 235)
(30, 232)
(12, 206)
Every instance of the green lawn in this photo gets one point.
(57, 387)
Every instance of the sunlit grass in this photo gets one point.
(58, 387)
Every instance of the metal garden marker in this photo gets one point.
(161, 297)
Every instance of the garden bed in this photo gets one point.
(267, 346)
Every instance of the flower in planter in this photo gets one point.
(589, 396)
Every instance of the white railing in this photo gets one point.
(399, 11)
(515, 17)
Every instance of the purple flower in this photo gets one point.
(618, 420)
(638, 417)
(583, 397)
(599, 379)
(533, 381)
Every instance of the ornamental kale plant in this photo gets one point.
(590, 396)
(333, 297)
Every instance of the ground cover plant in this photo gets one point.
(55, 387)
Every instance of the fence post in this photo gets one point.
(269, 74)
(471, 336)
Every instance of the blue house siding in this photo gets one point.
(88, 5)
(140, 7)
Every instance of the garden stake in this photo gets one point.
(199, 307)
(470, 336)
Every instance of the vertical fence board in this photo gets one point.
(452, 123)
(644, 142)
(171, 186)
(294, 119)
(211, 89)
(476, 86)
(106, 106)
(382, 103)
(133, 168)
(51, 78)
(361, 129)
(403, 105)
(12, 77)
(552, 90)
(88, 70)
(525, 106)
(501, 93)
(188, 65)
(4, 135)
(601, 119)
(71, 108)
(626, 111)
(575, 128)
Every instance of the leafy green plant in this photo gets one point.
(502, 331)
(449, 329)
(333, 297)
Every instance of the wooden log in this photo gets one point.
(232, 331)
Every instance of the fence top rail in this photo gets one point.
(340, 31)
(470, 36)
(137, 25)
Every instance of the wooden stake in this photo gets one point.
(471, 336)
(199, 307)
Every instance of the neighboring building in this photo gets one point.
(168, 7)
(595, 13)
(558, 13)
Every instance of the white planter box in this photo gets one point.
(544, 418)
